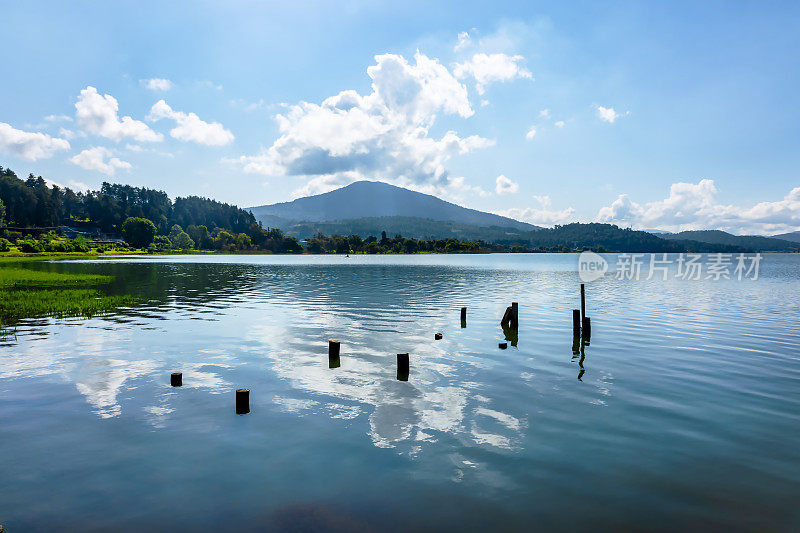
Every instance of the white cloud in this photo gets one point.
(29, 145)
(544, 113)
(559, 124)
(70, 134)
(463, 41)
(621, 211)
(157, 84)
(540, 217)
(98, 115)
(248, 106)
(544, 216)
(694, 206)
(504, 185)
(99, 158)
(489, 68)
(134, 147)
(190, 127)
(608, 114)
(210, 85)
(58, 118)
(382, 135)
(78, 186)
(531, 133)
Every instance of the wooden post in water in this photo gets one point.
(333, 349)
(515, 315)
(242, 401)
(587, 327)
(576, 322)
(502, 345)
(583, 302)
(176, 379)
(505, 322)
(463, 314)
(437, 336)
(402, 366)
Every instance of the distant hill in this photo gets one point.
(793, 236)
(370, 199)
(658, 231)
(409, 227)
(752, 242)
(611, 238)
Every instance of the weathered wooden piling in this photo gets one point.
(333, 354)
(402, 366)
(502, 345)
(333, 349)
(242, 401)
(511, 317)
(506, 320)
(583, 302)
(463, 314)
(576, 322)
(586, 332)
(437, 336)
(176, 379)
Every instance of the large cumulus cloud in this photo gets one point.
(385, 134)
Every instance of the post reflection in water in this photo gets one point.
(579, 343)
(511, 334)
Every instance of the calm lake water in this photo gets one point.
(684, 411)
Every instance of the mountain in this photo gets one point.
(371, 199)
(752, 242)
(658, 231)
(793, 236)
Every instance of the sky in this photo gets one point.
(651, 115)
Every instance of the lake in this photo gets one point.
(683, 412)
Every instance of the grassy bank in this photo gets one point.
(26, 293)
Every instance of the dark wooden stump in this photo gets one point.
(242, 401)
(583, 302)
(402, 366)
(175, 379)
(333, 349)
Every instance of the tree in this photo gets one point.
(173, 234)
(243, 242)
(161, 243)
(182, 241)
(200, 236)
(138, 232)
(2, 212)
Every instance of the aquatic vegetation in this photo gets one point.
(23, 277)
(28, 293)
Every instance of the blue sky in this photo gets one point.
(652, 115)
